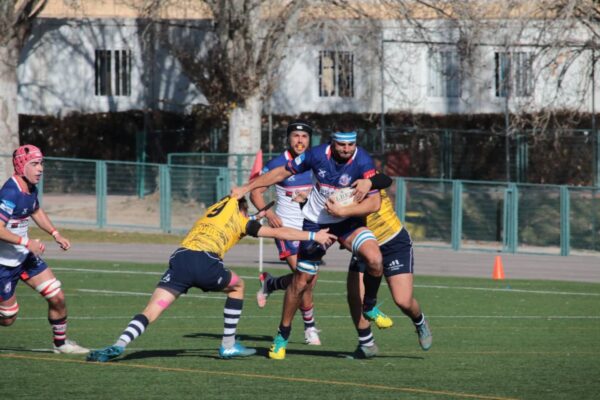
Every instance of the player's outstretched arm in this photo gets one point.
(283, 233)
(43, 221)
(370, 205)
(273, 176)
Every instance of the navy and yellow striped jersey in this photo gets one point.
(219, 229)
(384, 223)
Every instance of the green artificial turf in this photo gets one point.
(492, 340)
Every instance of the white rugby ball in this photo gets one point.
(343, 196)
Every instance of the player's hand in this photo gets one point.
(238, 191)
(334, 208)
(324, 238)
(36, 247)
(63, 242)
(361, 189)
(274, 220)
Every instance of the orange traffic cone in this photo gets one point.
(498, 272)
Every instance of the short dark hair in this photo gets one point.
(344, 126)
(243, 205)
(299, 125)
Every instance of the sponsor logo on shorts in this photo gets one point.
(395, 265)
(7, 287)
(322, 173)
(166, 278)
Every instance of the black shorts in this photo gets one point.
(398, 257)
(200, 269)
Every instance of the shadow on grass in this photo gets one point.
(254, 338)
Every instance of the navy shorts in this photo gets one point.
(313, 251)
(9, 276)
(398, 257)
(287, 248)
(199, 269)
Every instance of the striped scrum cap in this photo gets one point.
(344, 136)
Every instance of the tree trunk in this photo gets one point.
(9, 117)
(244, 136)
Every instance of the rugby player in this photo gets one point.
(289, 213)
(398, 267)
(20, 257)
(334, 166)
(199, 263)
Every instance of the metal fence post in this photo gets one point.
(165, 197)
(511, 218)
(401, 198)
(222, 183)
(565, 225)
(101, 193)
(239, 169)
(457, 215)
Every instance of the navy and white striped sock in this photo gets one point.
(365, 337)
(231, 315)
(136, 327)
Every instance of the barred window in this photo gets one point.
(113, 73)
(444, 74)
(513, 74)
(336, 73)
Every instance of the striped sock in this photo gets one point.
(365, 337)
(308, 317)
(231, 315)
(136, 327)
(59, 330)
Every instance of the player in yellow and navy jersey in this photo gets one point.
(199, 263)
(398, 267)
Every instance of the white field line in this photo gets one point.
(503, 290)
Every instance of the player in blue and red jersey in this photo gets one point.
(289, 213)
(334, 166)
(20, 256)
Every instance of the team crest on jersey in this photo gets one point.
(7, 206)
(7, 287)
(344, 180)
(322, 173)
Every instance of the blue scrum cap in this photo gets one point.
(348, 137)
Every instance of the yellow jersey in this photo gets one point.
(221, 227)
(384, 223)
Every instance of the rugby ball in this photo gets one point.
(343, 196)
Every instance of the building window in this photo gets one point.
(336, 74)
(113, 73)
(444, 74)
(513, 74)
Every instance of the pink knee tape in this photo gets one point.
(163, 303)
(234, 280)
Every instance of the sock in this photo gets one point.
(135, 328)
(308, 317)
(419, 320)
(231, 318)
(59, 330)
(285, 331)
(371, 288)
(365, 337)
(279, 283)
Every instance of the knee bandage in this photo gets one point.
(49, 289)
(362, 238)
(9, 311)
(308, 267)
